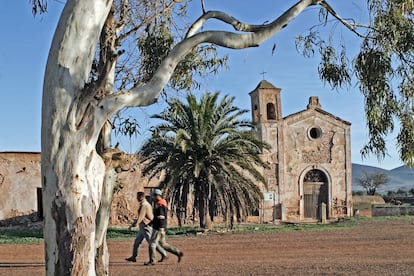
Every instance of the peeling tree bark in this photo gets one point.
(72, 171)
(77, 183)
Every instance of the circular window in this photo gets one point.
(315, 132)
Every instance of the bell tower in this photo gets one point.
(266, 109)
(267, 117)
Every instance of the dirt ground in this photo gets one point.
(371, 248)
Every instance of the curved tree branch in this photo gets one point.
(238, 25)
(348, 25)
(224, 17)
(148, 93)
(203, 6)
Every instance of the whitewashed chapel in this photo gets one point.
(310, 175)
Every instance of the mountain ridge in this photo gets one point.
(398, 178)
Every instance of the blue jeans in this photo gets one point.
(145, 232)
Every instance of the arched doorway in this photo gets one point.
(315, 192)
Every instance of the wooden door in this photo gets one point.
(315, 193)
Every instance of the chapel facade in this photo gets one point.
(310, 174)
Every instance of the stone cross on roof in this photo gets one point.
(263, 74)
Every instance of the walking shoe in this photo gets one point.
(180, 255)
(149, 263)
(163, 258)
(131, 259)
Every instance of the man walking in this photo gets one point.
(144, 220)
(159, 224)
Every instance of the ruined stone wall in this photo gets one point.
(392, 210)
(124, 204)
(20, 178)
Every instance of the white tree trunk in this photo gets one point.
(71, 198)
(72, 171)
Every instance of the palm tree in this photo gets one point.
(209, 155)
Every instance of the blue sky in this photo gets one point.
(26, 41)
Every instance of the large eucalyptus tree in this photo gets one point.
(207, 150)
(80, 94)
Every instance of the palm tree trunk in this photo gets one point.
(182, 207)
(202, 207)
(202, 194)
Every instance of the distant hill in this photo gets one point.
(398, 178)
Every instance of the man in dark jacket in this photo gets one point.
(159, 225)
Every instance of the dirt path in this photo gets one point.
(374, 248)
